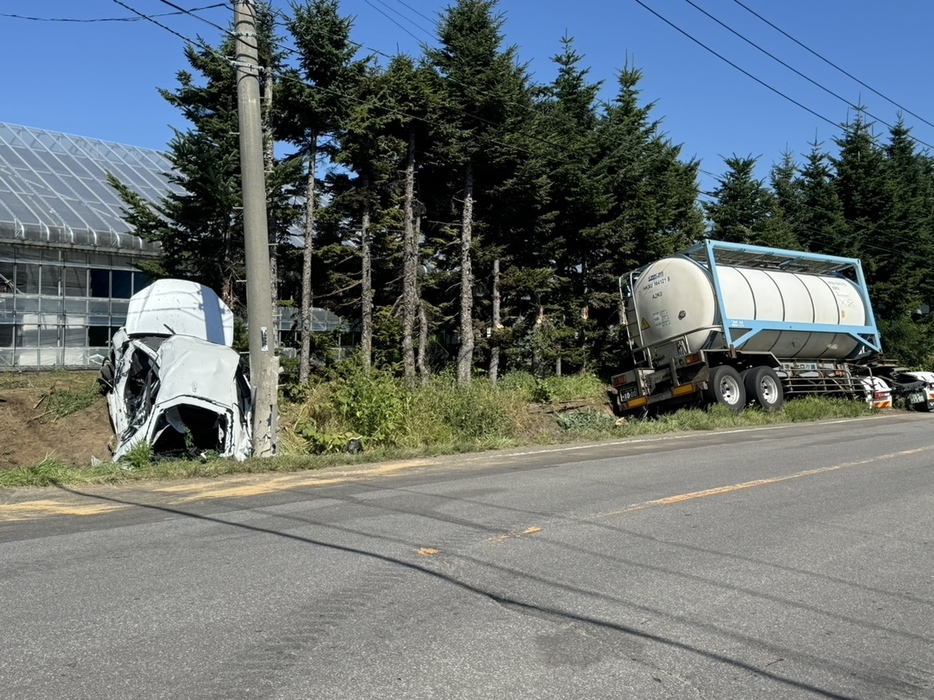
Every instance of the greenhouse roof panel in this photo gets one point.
(54, 186)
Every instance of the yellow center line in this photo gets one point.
(683, 497)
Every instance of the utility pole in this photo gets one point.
(263, 364)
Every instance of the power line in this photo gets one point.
(384, 14)
(741, 70)
(157, 23)
(797, 72)
(832, 64)
(111, 19)
(191, 13)
(404, 4)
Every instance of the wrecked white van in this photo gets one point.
(173, 380)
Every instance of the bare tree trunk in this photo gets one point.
(269, 160)
(494, 342)
(304, 366)
(228, 276)
(538, 339)
(422, 340)
(422, 313)
(366, 301)
(465, 354)
(227, 290)
(409, 266)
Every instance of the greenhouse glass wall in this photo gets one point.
(68, 263)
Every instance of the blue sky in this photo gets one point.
(99, 79)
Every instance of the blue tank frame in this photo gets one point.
(706, 253)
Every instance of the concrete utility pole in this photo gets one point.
(263, 364)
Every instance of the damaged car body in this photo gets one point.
(172, 379)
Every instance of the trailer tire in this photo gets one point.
(725, 387)
(764, 387)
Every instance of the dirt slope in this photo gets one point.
(28, 434)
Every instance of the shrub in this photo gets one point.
(371, 402)
(586, 422)
(471, 412)
(139, 457)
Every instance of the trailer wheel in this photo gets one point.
(764, 387)
(726, 388)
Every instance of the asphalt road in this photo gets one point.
(787, 562)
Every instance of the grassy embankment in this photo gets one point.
(396, 421)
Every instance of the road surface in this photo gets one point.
(784, 562)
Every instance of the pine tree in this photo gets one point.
(573, 202)
(859, 180)
(821, 227)
(410, 99)
(902, 239)
(200, 226)
(316, 102)
(787, 190)
(745, 211)
(651, 196)
(484, 94)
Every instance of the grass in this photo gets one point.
(64, 392)
(396, 422)
(72, 380)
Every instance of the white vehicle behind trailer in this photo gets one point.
(172, 380)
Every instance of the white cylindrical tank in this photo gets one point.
(675, 298)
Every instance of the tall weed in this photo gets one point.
(369, 402)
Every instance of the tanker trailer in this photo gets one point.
(726, 323)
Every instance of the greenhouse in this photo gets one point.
(68, 263)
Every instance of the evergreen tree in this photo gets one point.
(650, 197)
(316, 102)
(576, 202)
(745, 211)
(485, 92)
(821, 227)
(902, 239)
(859, 180)
(199, 226)
(786, 187)
(409, 97)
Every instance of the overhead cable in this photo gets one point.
(92, 20)
(832, 64)
(796, 71)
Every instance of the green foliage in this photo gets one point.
(139, 457)
(48, 472)
(811, 408)
(471, 412)
(319, 442)
(371, 402)
(586, 422)
(910, 340)
(63, 402)
(570, 387)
